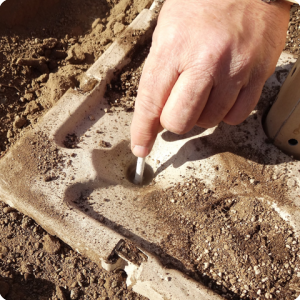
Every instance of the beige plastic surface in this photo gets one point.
(283, 121)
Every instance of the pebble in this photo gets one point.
(51, 244)
(268, 296)
(9, 134)
(60, 294)
(256, 270)
(206, 265)
(258, 292)
(118, 28)
(19, 122)
(114, 284)
(8, 209)
(96, 22)
(3, 250)
(14, 215)
(74, 294)
(291, 182)
(26, 222)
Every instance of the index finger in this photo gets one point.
(157, 80)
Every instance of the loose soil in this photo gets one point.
(42, 60)
(236, 245)
(293, 34)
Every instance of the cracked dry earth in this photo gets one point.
(236, 245)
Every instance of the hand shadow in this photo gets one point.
(246, 140)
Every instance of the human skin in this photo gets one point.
(208, 63)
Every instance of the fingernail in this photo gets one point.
(140, 151)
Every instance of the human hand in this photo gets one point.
(208, 63)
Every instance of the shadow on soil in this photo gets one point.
(20, 289)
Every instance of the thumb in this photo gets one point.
(157, 80)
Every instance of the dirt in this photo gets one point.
(35, 265)
(293, 34)
(236, 245)
(122, 91)
(40, 61)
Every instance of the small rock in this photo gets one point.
(19, 122)
(205, 266)
(267, 296)
(31, 108)
(105, 41)
(37, 245)
(291, 183)
(96, 22)
(256, 270)
(99, 28)
(75, 54)
(258, 292)
(74, 294)
(43, 78)
(9, 134)
(60, 294)
(51, 244)
(118, 28)
(29, 97)
(26, 222)
(104, 144)
(114, 284)
(3, 250)
(80, 277)
(49, 43)
(14, 215)
(121, 18)
(8, 209)
(286, 265)
(25, 268)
